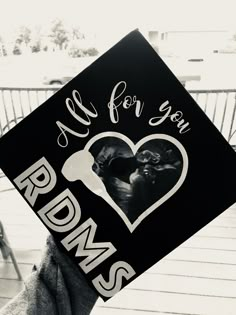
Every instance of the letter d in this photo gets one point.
(70, 217)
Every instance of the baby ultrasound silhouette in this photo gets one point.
(121, 165)
(133, 178)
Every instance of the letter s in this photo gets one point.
(118, 270)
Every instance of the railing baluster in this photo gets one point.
(13, 107)
(21, 106)
(206, 102)
(232, 121)
(214, 113)
(196, 98)
(37, 98)
(28, 94)
(5, 111)
(224, 112)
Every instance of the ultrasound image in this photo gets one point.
(137, 181)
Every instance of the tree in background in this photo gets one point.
(36, 39)
(59, 34)
(50, 37)
(22, 40)
(75, 50)
(76, 34)
(79, 46)
(24, 36)
(2, 47)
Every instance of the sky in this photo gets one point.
(109, 15)
(112, 20)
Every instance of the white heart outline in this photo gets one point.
(134, 148)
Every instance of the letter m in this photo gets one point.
(83, 237)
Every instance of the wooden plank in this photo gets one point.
(34, 240)
(224, 221)
(31, 243)
(170, 302)
(117, 311)
(187, 285)
(214, 243)
(233, 207)
(13, 202)
(26, 256)
(233, 216)
(231, 211)
(10, 288)
(28, 218)
(5, 184)
(7, 270)
(3, 301)
(7, 196)
(194, 269)
(203, 255)
(16, 230)
(213, 231)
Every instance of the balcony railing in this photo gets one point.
(17, 102)
(220, 107)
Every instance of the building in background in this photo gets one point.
(190, 44)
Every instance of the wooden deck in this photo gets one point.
(199, 277)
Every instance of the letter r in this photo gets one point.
(40, 178)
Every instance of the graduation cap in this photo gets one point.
(120, 165)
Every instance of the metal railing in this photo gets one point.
(17, 102)
(220, 106)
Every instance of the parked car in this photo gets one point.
(61, 74)
(59, 79)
